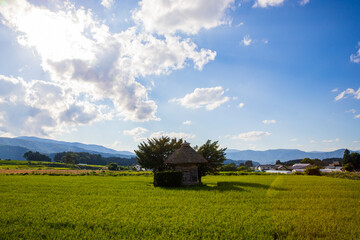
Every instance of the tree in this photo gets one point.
(318, 162)
(69, 158)
(346, 157)
(348, 167)
(215, 156)
(307, 160)
(113, 166)
(249, 163)
(355, 160)
(36, 156)
(278, 162)
(229, 167)
(315, 170)
(155, 151)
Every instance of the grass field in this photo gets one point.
(17, 164)
(227, 207)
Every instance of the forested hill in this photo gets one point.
(94, 159)
(14, 148)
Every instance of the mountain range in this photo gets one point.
(14, 148)
(270, 156)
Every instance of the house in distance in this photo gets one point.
(186, 160)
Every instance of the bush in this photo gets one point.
(168, 179)
(348, 167)
(313, 171)
(113, 166)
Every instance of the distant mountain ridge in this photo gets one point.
(14, 148)
(270, 156)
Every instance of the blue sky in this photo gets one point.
(253, 74)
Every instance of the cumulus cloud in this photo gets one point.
(251, 136)
(348, 92)
(304, 2)
(171, 16)
(137, 133)
(188, 122)
(355, 58)
(172, 135)
(107, 3)
(357, 116)
(269, 121)
(246, 40)
(91, 64)
(331, 140)
(241, 105)
(210, 98)
(42, 108)
(335, 90)
(268, 3)
(293, 140)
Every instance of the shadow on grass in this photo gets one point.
(226, 186)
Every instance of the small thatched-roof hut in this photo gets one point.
(186, 160)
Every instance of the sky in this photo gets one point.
(251, 74)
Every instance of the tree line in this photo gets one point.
(79, 157)
(92, 159)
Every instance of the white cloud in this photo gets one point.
(349, 91)
(265, 41)
(107, 3)
(251, 136)
(269, 121)
(246, 40)
(357, 116)
(137, 133)
(313, 141)
(331, 140)
(268, 3)
(355, 58)
(304, 2)
(335, 90)
(293, 140)
(239, 24)
(171, 16)
(241, 105)
(117, 145)
(188, 122)
(43, 108)
(210, 98)
(172, 135)
(83, 58)
(353, 111)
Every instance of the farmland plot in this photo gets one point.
(227, 207)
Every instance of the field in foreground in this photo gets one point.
(228, 207)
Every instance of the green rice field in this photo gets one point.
(226, 207)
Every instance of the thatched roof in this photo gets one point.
(185, 154)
